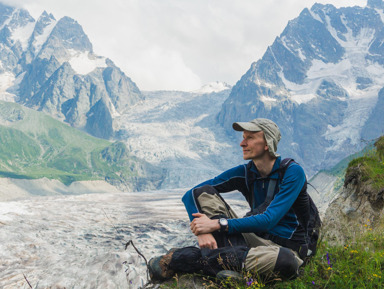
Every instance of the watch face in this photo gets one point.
(223, 222)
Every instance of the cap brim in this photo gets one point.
(241, 126)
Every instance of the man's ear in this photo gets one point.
(266, 145)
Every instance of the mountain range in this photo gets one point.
(70, 115)
(51, 67)
(320, 81)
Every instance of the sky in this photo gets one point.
(179, 44)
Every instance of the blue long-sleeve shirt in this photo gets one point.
(278, 219)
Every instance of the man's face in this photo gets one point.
(254, 145)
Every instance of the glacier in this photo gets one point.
(79, 241)
(178, 132)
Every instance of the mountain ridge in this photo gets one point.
(320, 81)
(56, 56)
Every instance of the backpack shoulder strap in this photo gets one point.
(284, 164)
(250, 179)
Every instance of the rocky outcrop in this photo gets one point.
(358, 208)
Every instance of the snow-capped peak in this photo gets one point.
(215, 86)
(22, 34)
(21, 26)
(85, 62)
(45, 23)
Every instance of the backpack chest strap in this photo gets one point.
(268, 199)
(271, 191)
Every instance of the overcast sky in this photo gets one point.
(179, 44)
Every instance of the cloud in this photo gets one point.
(166, 68)
(180, 43)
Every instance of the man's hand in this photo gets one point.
(201, 224)
(207, 241)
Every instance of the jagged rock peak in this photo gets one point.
(375, 4)
(46, 18)
(73, 35)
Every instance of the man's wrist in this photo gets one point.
(223, 225)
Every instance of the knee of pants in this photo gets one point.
(286, 264)
(204, 189)
(209, 202)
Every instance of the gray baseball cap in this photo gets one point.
(270, 129)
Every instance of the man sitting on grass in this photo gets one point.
(271, 240)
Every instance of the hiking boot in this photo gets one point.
(225, 274)
(159, 266)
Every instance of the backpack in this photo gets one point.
(304, 208)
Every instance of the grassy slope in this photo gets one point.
(371, 165)
(34, 145)
(358, 264)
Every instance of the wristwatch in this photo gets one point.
(223, 222)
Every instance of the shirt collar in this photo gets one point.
(274, 173)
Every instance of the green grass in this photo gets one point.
(358, 264)
(371, 165)
(34, 145)
(51, 156)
